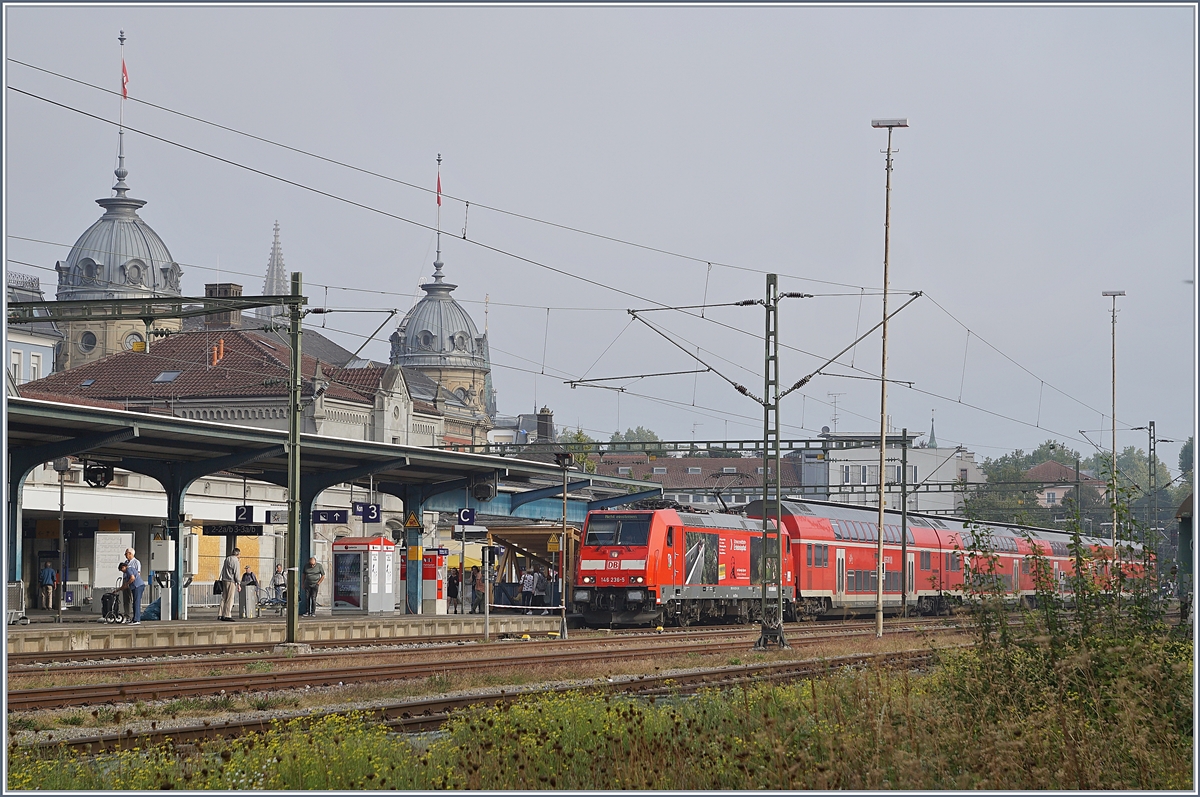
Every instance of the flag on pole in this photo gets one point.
(439, 188)
(124, 81)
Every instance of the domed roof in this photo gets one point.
(119, 256)
(438, 333)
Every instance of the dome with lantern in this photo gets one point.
(120, 256)
(438, 333)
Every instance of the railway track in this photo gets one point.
(429, 713)
(19, 663)
(512, 658)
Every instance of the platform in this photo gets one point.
(43, 635)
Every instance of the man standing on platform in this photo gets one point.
(133, 579)
(231, 583)
(314, 574)
(48, 579)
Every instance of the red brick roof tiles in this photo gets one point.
(253, 366)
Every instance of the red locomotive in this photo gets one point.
(667, 566)
(664, 566)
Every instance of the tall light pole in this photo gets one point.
(61, 466)
(565, 460)
(1112, 499)
(890, 124)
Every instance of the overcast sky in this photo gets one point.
(1051, 156)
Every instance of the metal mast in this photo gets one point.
(294, 412)
(890, 124)
(772, 550)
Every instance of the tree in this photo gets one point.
(639, 435)
(581, 445)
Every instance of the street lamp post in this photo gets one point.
(890, 124)
(1112, 499)
(61, 466)
(565, 460)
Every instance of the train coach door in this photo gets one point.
(909, 574)
(673, 557)
(841, 571)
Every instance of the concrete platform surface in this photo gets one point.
(44, 635)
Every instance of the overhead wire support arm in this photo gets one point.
(804, 381)
(739, 388)
(574, 383)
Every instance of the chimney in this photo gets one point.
(227, 320)
(545, 425)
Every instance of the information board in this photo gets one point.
(110, 552)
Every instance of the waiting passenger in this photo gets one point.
(527, 590)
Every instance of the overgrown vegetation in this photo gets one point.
(1093, 689)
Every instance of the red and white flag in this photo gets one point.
(439, 189)
(124, 81)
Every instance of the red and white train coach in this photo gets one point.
(835, 549)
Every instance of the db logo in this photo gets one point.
(612, 564)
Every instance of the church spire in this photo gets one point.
(276, 282)
(932, 437)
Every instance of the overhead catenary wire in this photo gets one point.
(418, 187)
(536, 263)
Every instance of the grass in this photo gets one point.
(1116, 728)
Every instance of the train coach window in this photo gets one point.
(926, 560)
(671, 537)
(808, 557)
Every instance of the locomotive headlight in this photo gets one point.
(582, 595)
(588, 579)
(633, 595)
(636, 579)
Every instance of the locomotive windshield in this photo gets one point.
(613, 529)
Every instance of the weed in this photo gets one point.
(74, 718)
(259, 666)
(23, 724)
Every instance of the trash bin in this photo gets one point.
(248, 598)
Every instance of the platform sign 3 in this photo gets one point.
(243, 514)
(372, 513)
(330, 516)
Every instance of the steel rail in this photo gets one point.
(430, 713)
(19, 663)
(99, 694)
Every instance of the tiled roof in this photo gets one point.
(82, 401)
(1052, 471)
(254, 365)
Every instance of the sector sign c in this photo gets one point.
(466, 517)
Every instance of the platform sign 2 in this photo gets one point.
(330, 516)
(243, 514)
